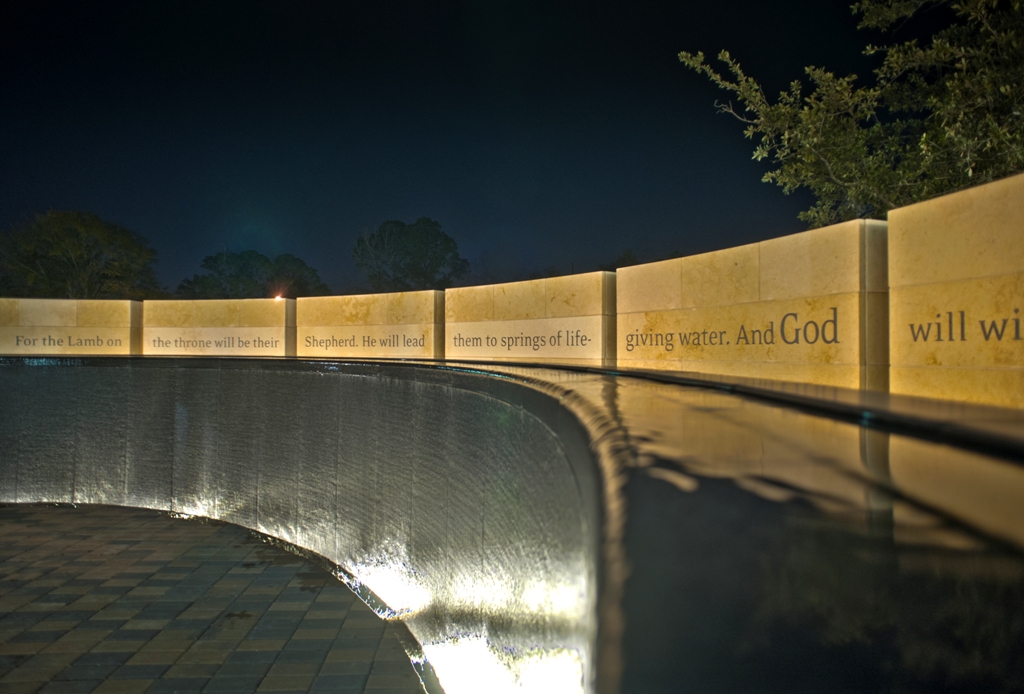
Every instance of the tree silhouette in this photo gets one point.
(400, 257)
(252, 275)
(939, 116)
(76, 255)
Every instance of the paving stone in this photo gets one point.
(70, 687)
(105, 600)
(333, 683)
(179, 685)
(224, 685)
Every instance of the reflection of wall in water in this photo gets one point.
(932, 618)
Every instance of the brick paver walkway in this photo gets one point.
(125, 601)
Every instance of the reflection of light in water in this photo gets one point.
(549, 672)
(402, 590)
(392, 585)
(196, 508)
(564, 601)
(561, 601)
(481, 592)
(468, 666)
(386, 571)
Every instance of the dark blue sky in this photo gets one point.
(539, 134)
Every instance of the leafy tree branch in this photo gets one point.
(76, 255)
(937, 118)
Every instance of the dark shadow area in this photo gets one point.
(768, 597)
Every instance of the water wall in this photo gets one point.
(466, 505)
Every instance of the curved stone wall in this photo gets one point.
(468, 505)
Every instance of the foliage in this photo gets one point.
(291, 277)
(76, 255)
(252, 275)
(938, 117)
(400, 257)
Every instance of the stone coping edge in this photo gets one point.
(984, 429)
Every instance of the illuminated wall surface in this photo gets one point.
(810, 307)
(956, 275)
(928, 303)
(225, 328)
(566, 320)
(403, 324)
(544, 530)
(45, 326)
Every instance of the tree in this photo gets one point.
(939, 117)
(400, 257)
(252, 275)
(291, 277)
(76, 255)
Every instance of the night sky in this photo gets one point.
(541, 135)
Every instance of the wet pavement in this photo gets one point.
(125, 601)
